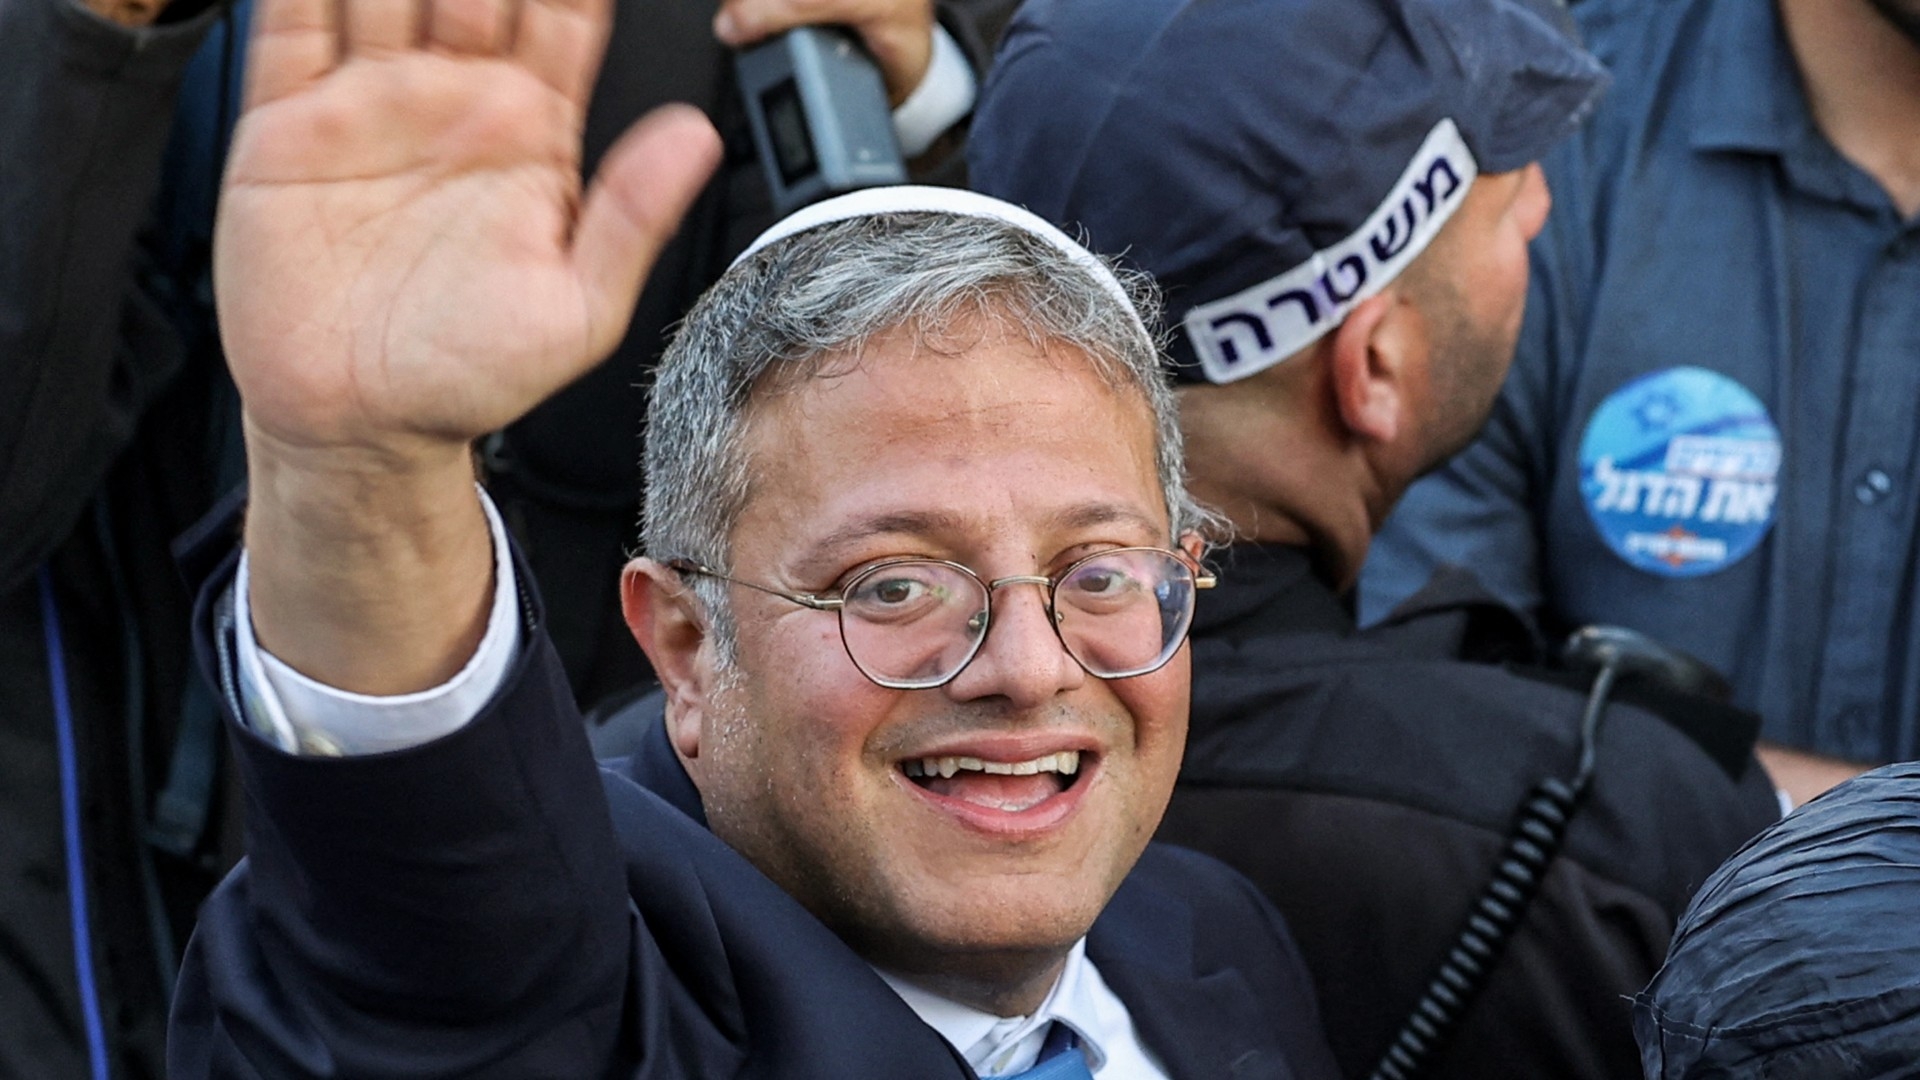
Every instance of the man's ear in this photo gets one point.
(1194, 544)
(668, 622)
(1374, 354)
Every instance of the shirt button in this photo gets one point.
(1873, 487)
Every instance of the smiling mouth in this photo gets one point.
(1007, 786)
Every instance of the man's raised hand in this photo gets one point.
(403, 257)
(403, 262)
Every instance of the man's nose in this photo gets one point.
(1022, 660)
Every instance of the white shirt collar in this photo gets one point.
(996, 1045)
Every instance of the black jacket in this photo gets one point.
(1367, 788)
(479, 906)
(112, 423)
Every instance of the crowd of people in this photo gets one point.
(1050, 660)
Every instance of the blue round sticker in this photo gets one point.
(1679, 470)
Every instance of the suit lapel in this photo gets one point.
(1203, 1025)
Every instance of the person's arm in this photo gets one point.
(300, 715)
(428, 889)
(929, 57)
(405, 260)
(1801, 775)
(88, 107)
(405, 263)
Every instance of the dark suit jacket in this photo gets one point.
(481, 906)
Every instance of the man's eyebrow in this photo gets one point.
(894, 523)
(1093, 515)
(935, 524)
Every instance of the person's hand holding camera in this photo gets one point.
(899, 33)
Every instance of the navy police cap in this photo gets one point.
(1271, 162)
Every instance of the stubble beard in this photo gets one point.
(1472, 364)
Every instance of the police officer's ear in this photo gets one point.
(1375, 356)
(670, 625)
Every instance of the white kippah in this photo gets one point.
(914, 198)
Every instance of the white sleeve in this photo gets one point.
(944, 96)
(302, 716)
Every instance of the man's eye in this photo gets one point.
(895, 591)
(1106, 586)
(1100, 581)
(896, 595)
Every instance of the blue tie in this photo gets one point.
(1060, 1058)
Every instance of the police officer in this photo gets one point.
(1710, 428)
(1337, 197)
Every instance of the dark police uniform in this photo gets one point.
(1367, 782)
(1709, 433)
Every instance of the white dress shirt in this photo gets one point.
(303, 716)
(945, 94)
(1000, 1045)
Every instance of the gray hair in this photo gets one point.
(775, 319)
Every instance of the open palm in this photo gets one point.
(403, 253)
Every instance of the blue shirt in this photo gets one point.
(1712, 429)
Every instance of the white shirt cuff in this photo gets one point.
(944, 96)
(303, 716)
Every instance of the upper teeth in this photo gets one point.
(1066, 762)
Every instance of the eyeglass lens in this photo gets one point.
(914, 624)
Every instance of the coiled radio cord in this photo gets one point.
(1538, 833)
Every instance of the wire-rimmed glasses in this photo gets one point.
(915, 624)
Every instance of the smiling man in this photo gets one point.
(921, 637)
(919, 480)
